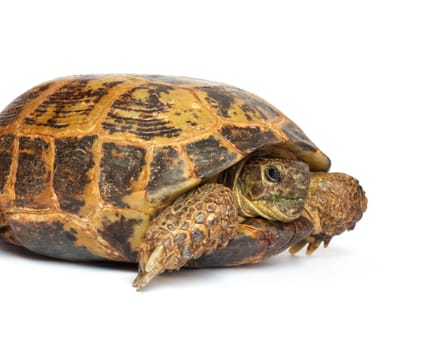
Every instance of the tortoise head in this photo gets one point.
(273, 188)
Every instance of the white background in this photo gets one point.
(357, 76)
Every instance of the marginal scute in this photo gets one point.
(295, 134)
(50, 238)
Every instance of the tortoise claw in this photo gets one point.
(297, 246)
(312, 242)
(312, 246)
(147, 270)
(326, 242)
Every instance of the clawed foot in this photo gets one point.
(313, 242)
(149, 268)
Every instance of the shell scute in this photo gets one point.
(248, 138)
(157, 113)
(122, 166)
(16, 107)
(75, 105)
(169, 175)
(6, 153)
(32, 185)
(73, 165)
(210, 154)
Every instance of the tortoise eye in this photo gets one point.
(273, 174)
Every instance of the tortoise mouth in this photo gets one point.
(277, 208)
(284, 200)
(291, 205)
(274, 208)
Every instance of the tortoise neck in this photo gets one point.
(229, 176)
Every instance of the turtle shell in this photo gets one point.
(102, 154)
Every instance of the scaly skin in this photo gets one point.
(195, 224)
(335, 203)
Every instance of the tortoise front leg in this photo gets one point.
(257, 239)
(195, 224)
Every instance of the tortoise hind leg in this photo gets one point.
(195, 224)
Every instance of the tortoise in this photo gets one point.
(165, 172)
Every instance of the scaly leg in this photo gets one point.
(257, 240)
(195, 224)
